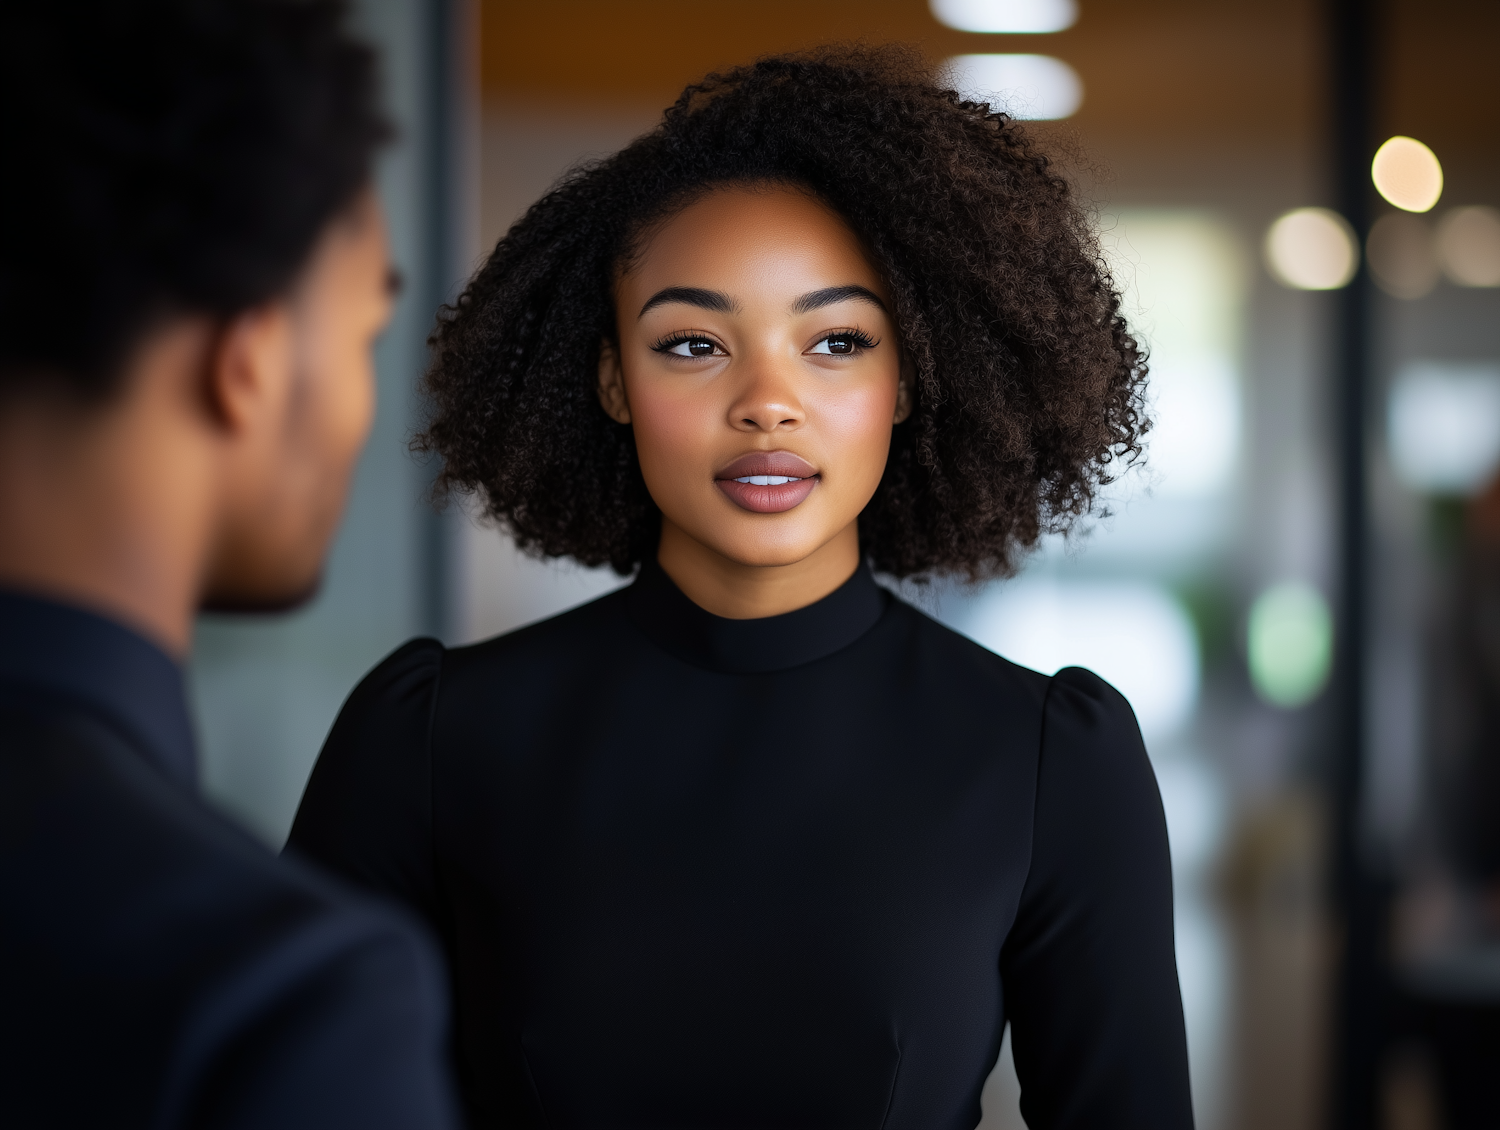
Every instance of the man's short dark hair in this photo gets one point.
(166, 157)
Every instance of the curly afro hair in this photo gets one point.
(1028, 385)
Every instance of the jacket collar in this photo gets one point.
(79, 660)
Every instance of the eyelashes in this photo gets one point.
(687, 345)
(836, 343)
(844, 343)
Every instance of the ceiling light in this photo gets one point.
(1030, 87)
(1407, 174)
(1018, 16)
(1312, 249)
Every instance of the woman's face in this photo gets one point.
(759, 367)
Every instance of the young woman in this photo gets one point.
(752, 843)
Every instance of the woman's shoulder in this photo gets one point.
(547, 645)
(952, 657)
(1085, 698)
(1098, 809)
(1082, 718)
(1088, 721)
(388, 708)
(406, 679)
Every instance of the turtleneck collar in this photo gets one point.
(743, 647)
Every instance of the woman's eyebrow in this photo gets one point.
(691, 296)
(831, 294)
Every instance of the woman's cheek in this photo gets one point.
(673, 434)
(857, 426)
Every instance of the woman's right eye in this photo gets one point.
(691, 347)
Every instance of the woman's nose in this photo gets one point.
(767, 402)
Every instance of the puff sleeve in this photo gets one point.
(1089, 968)
(366, 815)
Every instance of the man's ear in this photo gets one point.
(248, 367)
(612, 384)
(905, 389)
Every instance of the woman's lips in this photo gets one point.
(767, 482)
(768, 499)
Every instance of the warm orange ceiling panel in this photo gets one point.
(1439, 69)
(1203, 69)
(1148, 66)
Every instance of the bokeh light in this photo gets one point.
(1134, 634)
(1182, 274)
(1016, 16)
(1401, 255)
(1290, 644)
(1312, 249)
(1443, 426)
(1468, 246)
(1028, 87)
(1407, 174)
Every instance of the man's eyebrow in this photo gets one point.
(831, 294)
(691, 296)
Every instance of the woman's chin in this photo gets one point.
(772, 549)
(754, 540)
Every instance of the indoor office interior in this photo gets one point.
(1298, 590)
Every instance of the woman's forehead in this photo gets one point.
(751, 240)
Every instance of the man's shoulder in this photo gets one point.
(125, 846)
(138, 916)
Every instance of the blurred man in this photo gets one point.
(193, 269)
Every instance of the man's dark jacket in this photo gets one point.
(158, 967)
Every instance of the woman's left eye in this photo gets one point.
(843, 344)
(689, 347)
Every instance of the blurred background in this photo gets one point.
(1299, 593)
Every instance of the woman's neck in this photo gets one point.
(739, 591)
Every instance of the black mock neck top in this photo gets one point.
(791, 872)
